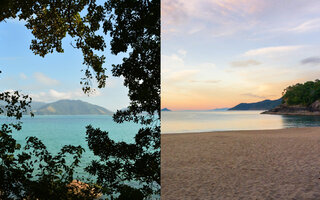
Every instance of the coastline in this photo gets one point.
(300, 113)
(284, 109)
(253, 164)
(225, 131)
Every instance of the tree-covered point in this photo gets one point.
(302, 94)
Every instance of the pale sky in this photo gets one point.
(219, 53)
(55, 77)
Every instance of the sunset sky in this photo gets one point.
(218, 53)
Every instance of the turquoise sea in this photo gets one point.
(56, 131)
(201, 121)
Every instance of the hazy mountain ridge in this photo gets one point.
(69, 107)
(36, 105)
(219, 109)
(261, 105)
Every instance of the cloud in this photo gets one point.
(43, 79)
(272, 50)
(173, 14)
(176, 12)
(206, 81)
(198, 16)
(59, 95)
(244, 63)
(182, 52)
(311, 60)
(196, 29)
(250, 18)
(23, 76)
(54, 95)
(310, 25)
(253, 95)
(9, 90)
(175, 71)
(171, 10)
(180, 76)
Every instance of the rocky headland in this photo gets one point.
(284, 109)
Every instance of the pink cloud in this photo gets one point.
(228, 17)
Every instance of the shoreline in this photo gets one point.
(304, 113)
(237, 130)
(245, 164)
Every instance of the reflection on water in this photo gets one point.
(301, 121)
(193, 121)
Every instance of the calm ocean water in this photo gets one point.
(57, 131)
(200, 121)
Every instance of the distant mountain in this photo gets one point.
(219, 109)
(70, 107)
(261, 105)
(36, 105)
(165, 109)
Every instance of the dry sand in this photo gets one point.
(266, 164)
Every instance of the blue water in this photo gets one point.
(57, 131)
(200, 121)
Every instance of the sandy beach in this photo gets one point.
(262, 164)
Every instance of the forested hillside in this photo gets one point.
(302, 94)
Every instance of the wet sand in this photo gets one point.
(261, 164)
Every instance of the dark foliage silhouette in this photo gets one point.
(134, 28)
(31, 172)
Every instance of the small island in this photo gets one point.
(165, 109)
(299, 99)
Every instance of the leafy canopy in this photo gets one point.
(302, 94)
(134, 27)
